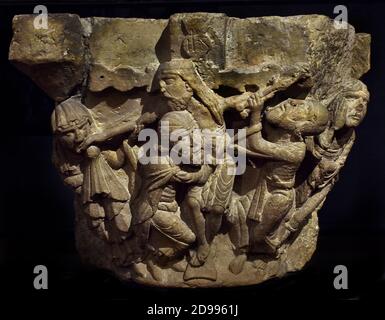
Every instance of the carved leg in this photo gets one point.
(296, 217)
(279, 236)
(156, 272)
(240, 236)
(213, 224)
(276, 207)
(173, 226)
(199, 222)
(237, 264)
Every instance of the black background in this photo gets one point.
(36, 214)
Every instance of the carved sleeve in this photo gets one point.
(286, 152)
(204, 173)
(309, 206)
(114, 131)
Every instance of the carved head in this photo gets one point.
(178, 91)
(173, 83)
(350, 106)
(180, 81)
(71, 122)
(181, 131)
(306, 117)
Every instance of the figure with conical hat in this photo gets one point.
(185, 89)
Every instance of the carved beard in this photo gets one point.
(177, 104)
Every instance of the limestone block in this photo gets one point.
(200, 148)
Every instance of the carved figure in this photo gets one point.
(331, 149)
(104, 197)
(279, 97)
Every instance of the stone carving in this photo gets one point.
(201, 148)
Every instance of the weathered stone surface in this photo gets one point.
(133, 60)
(184, 217)
(361, 55)
(55, 57)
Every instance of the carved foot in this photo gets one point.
(200, 256)
(264, 248)
(237, 264)
(155, 271)
(180, 266)
(278, 237)
(139, 269)
(206, 271)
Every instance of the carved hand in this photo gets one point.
(241, 102)
(96, 137)
(147, 118)
(257, 100)
(186, 177)
(245, 113)
(255, 103)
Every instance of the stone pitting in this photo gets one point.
(292, 83)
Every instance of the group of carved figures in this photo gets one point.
(166, 214)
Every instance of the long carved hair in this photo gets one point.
(337, 107)
(67, 115)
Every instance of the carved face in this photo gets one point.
(294, 114)
(174, 88)
(75, 136)
(355, 106)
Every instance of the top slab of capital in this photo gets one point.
(124, 53)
